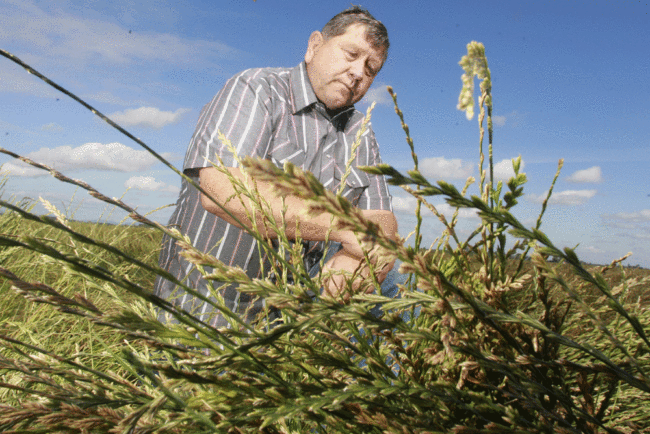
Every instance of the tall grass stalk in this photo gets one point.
(482, 338)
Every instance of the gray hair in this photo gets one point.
(376, 32)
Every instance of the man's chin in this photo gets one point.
(338, 104)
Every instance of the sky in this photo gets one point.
(569, 81)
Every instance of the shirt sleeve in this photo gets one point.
(376, 196)
(240, 112)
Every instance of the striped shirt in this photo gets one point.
(271, 113)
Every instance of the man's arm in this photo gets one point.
(313, 228)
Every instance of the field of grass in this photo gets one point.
(97, 346)
(42, 325)
(16, 313)
(136, 241)
(487, 334)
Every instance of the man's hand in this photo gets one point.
(339, 284)
(382, 218)
(351, 259)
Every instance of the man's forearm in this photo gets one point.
(291, 209)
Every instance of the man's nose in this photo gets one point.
(356, 70)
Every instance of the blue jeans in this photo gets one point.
(389, 287)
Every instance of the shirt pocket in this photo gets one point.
(355, 184)
(287, 152)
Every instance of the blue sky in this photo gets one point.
(570, 80)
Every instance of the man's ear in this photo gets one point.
(315, 41)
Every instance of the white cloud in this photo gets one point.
(378, 94)
(567, 197)
(592, 249)
(54, 197)
(592, 175)
(441, 168)
(512, 119)
(84, 40)
(404, 204)
(499, 121)
(52, 127)
(113, 156)
(70, 48)
(108, 97)
(503, 169)
(149, 183)
(14, 79)
(18, 168)
(149, 117)
(463, 213)
(634, 227)
(642, 216)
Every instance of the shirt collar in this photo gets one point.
(303, 94)
(301, 90)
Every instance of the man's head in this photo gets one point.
(344, 58)
(375, 31)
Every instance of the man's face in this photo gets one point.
(342, 68)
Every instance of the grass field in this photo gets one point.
(42, 325)
(478, 341)
(143, 243)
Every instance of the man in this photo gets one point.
(304, 115)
